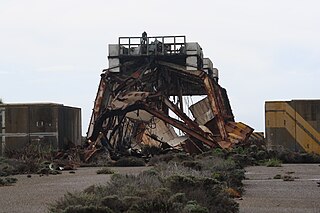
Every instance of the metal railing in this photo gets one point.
(156, 45)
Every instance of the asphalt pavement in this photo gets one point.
(263, 194)
(35, 193)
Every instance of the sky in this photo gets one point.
(55, 51)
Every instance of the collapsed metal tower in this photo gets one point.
(146, 83)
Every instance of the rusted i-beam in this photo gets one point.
(178, 124)
(97, 103)
(215, 107)
(181, 115)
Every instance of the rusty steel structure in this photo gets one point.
(141, 99)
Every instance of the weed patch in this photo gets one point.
(129, 161)
(287, 178)
(184, 184)
(273, 163)
(105, 170)
(277, 176)
(7, 181)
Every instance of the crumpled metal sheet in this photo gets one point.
(124, 100)
(201, 111)
(238, 132)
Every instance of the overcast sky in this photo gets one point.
(54, 51)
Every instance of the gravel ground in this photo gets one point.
(265, 195)
(33, 194)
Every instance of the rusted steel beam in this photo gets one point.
(97, 104)
(99, 98)
(224, 105)
(215, 107)
(151, 110)
(182, 70)
(179, 125)
(182, 115)
(107, 114)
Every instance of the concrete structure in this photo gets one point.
(294, 125)
(53, 125)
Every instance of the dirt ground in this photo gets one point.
(265, 194)
(33, 194)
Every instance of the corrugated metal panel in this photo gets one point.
(201, 111)
(257, 136)
(238, 132)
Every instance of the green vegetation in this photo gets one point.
(294, 157)
(105, 170)
(13, 167)
(273, 163)
(7, 181)
(183, 184)
(287, 178)
(10, 167)
(129, 161)
(277, 176)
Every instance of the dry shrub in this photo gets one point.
(113, 202)
(273, 163)
(277, 176)
(169, 157)
(233, 192)
(194, 207)
(287, 156)
(8, 181)
(287, 178)
(105, 170)
(73, 201)
(192, 164)
(87, 209)
(177, 186)
(129, 161)
(160, 158)
(155, 191)
(14, 167)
